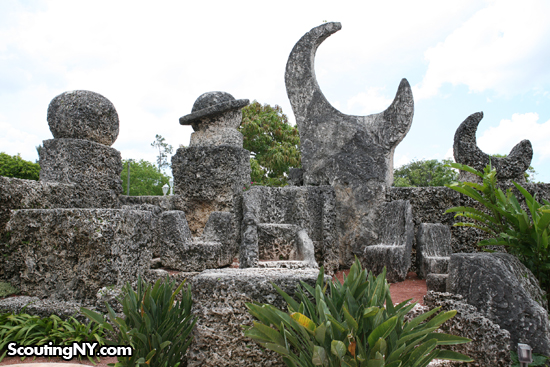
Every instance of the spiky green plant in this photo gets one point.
(156, 326)
(25, 329)
(355, 324)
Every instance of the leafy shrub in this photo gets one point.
(424, 173)
(15, 166)
(155, 326)
(7, 289)
(526, 235)
(350, 326)
(25, 329)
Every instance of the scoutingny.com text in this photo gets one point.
(68, 352)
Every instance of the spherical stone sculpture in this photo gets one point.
(83, 115)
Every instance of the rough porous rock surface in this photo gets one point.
(174, 239)
(219, 228)
(269, 213)
(220, 136)
(467, 152)
(505, 291)
(277, 241)
(490, 344)
(94, 168)
(209, 179)
(219, 298)
(437, 282)
(430, 203)
(178, 250)
(82, 114)
(296, 177)
(392, 248)
(16, 194)
(41, 307)
(163, 202)
(354, 154)
(69, 254)
(433, 248)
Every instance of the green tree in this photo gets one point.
(424, 173)
(145, 178)
(273, 142)
(164, 150)
(15, 166)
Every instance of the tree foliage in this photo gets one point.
(145, 178)
(15, 166)
(273, 142)
(164, 149)
(425, 173)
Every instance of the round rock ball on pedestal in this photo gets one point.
(83, 115)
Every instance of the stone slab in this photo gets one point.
(69, 254)
(505, 291)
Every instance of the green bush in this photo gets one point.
(15, 166)
(350, 326)
(525, 235)
(7, 289)
(25, 329)
(155, 326)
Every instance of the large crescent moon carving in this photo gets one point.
(466, 151)
(328, 136)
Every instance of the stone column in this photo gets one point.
(84, 125)
(211, 174)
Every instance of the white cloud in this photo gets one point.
(501, 139)
(400, 160)
(449, 154)
(503, 47)
(371, 101)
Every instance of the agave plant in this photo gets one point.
(355, 324)
(156, 326)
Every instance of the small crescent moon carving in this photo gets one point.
(466, 151)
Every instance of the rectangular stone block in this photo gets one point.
(437, 282)
(94, 168)
(69, 254)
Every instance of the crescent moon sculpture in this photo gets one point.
(466, 151)
(336, 146)
(353, 154)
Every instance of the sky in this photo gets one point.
(152, 60)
